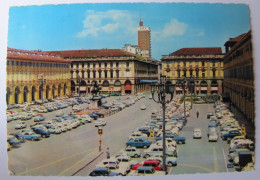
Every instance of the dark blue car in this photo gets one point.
(93, 115)
(102, 171)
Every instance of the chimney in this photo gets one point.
(141, 22)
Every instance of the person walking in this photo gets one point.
(108, 153)
(198, 114)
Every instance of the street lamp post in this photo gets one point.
(162, 89)
(191, 85)
(182, 85)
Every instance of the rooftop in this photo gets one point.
(34, 55)
(198, 51)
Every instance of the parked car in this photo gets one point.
(139, 142)
(170, 161)
(31, 136)
(19, 136)
(99, 114)
(231, 134)
(13, 141)
(213, 137)
(102, 171)
(133, 152)
(20, 125)
(100, 122)
(209, 114)
(93, 116)
(197, 133)
(145, 171)
(42, 131)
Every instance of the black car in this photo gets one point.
(99, 114)
(102, 171)
(209, 114)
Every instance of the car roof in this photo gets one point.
(101, 169)
(144, 168)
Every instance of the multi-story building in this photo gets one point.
(239, 74)
(34, 75)
(144, 39)
(135, 49)
(114, 70)
(205, 65)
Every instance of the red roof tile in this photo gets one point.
(93, 53)
(20, 54)
(198, 51)
(236, 39)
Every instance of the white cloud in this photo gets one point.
(110, 28)
(170, 29)
(107, 22)
(174, 28)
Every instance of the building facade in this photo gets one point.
(239, 74)
(114, 70)
(144, 39)
(205, 65)
(35, 75)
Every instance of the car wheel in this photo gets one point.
(180, 142)
(136, 155)
(33, 139)
(170, 164)
(145, 147)
(147, 156)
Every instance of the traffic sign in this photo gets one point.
(100, 131)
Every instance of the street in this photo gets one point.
(76, 152)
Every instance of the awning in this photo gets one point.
(110, 89)
(148, 80)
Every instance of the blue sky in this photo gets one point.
(111, 25)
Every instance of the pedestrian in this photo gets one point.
(198, 114)
(72, 105)
(108, 153)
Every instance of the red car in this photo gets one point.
(154, 163)
(136, 166)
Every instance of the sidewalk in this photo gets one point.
(250, 128)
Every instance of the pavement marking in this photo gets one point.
(78, 162)
(198, 167)
(51, 163)
(215, 160)
(225, 159)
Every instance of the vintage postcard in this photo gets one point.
(130, 89)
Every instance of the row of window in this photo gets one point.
(99, 64)
(247, 50)
(196, 63)
(94, 74)
(196, 73)
(36, 64)
(244, 73)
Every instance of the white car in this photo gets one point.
(197, 133)
(213, 137)
(77, 108)
(20, 125)
(100, 122)
(143, 107)
(137, 134)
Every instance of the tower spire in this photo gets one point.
(141, 22)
